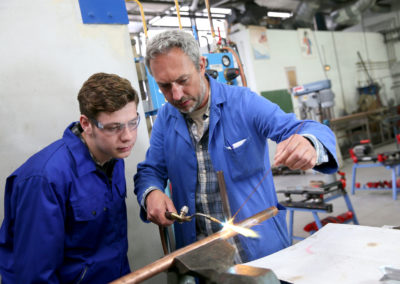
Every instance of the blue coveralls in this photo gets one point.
(64, 221)
(236, 114)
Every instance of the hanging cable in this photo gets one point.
(178, 14)
(142, 14)
(210, 19)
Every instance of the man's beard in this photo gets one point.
(203, 90)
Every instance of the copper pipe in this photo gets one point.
(224, 195)
(239, 63)
(166, 262)
(161, 230)
(210, 18)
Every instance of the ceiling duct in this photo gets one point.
(349, 15)
(252, 15)
(381, 7)
(193, 6)
(303, 17)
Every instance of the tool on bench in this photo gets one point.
(312, 197)
(315, 200)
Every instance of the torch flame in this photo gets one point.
(240, 230)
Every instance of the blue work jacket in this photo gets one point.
(64, 221)
(237, 117)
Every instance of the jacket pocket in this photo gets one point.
(87, 223)
(87, 209)
(243, 158)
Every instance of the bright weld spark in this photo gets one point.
(240, 230)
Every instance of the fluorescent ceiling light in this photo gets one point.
(155, 19)
(168, 21)
(279, 14)
(225, 11)
(205, 14)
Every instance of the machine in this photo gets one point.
(316, 100)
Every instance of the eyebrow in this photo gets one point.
(177, 79)
(110, 123)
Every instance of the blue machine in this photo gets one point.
(157, 98)
(219, 62)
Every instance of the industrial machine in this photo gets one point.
(220, 66)
(316, 100)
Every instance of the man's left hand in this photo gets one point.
(296, 152)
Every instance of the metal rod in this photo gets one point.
(224, 195)
(164, 263)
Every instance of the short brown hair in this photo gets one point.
(104, 92)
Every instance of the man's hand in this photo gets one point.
(296, 152)
(157, 203)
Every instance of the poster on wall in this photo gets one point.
(307, 42)
(259, 42)
(291, 76)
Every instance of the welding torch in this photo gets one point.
(183, 217)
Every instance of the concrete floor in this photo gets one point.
(372, 208)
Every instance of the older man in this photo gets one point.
(207, 127)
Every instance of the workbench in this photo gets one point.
(371, 125)
(315, 200)
(338, 253)
(373, 162)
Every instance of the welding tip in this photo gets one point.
(213, 219)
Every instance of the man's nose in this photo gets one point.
(127, 134)
(177, 92)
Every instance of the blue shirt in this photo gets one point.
(64, 220)
(239, 118)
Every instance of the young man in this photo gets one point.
(207, 127)
(65, 214)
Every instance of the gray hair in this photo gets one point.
(165, 41)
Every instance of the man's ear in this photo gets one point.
(85, 124)
(202, 64)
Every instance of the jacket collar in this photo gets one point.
(79, 152)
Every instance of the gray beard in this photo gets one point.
(201, 98)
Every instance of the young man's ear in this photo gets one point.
(85, 123)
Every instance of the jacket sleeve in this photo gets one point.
(273, 123)
(38, 232)
(152, 172)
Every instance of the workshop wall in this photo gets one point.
(337, 49)
(46, 54)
